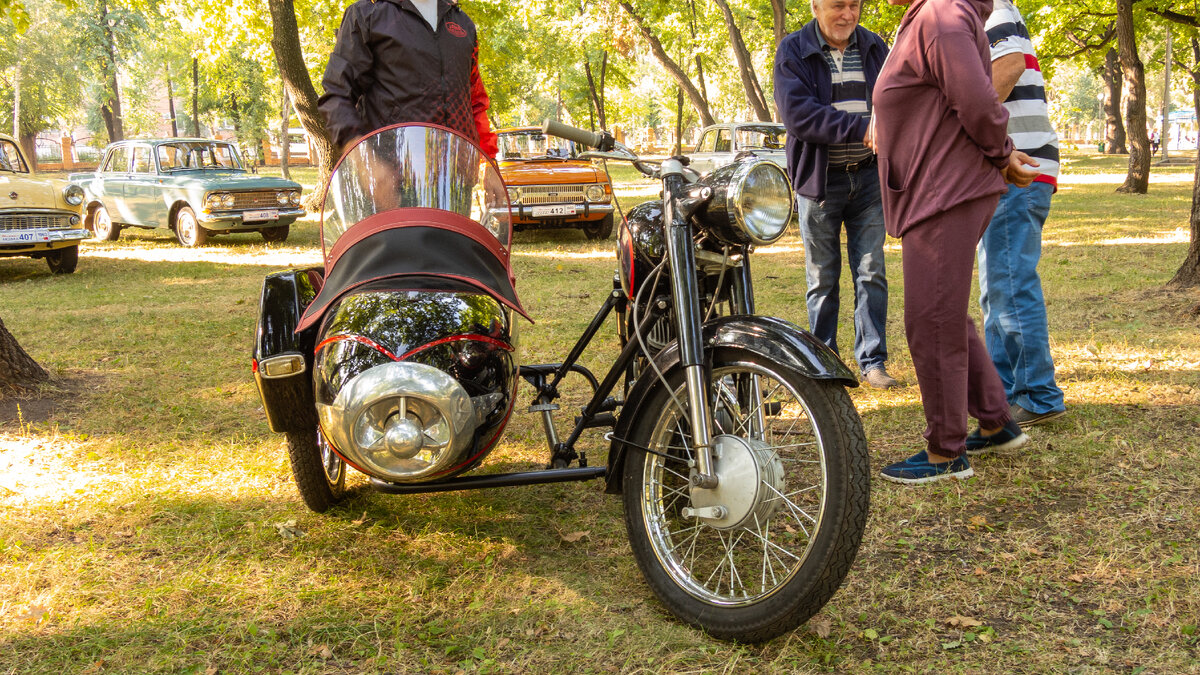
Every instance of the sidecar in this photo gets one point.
(398, 355)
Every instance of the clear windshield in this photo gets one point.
(761, 138)
(184, 155)
(415, 166)
(516, 145)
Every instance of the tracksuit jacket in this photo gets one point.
(389, 66)
(804, 97)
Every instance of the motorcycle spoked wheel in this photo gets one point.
(319, 473)
(779, 556)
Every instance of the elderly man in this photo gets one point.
(1010, 290)
(824, 75)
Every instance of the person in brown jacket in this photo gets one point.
(944, 158)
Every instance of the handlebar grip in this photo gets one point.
(589, 138)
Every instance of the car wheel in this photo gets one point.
(63, 260)
(188, 230)
(599, 229)
(274, 235)
(103, 226)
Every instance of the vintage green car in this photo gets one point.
(39, 217)
(195, 186)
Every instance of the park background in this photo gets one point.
(147, 518)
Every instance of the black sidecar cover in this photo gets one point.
(415, 249)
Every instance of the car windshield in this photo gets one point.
(10, 158)
(192, 155)
(533, 145)
(761, 138)
(415, 166)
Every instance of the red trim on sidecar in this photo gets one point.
(419, 217)
(457, 338)
(357, 338)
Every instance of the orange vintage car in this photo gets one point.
(549, 186)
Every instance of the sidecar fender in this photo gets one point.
(283, 358)
(775, 339)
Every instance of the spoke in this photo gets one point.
(800, 491)
(781, 446)
(773, 546)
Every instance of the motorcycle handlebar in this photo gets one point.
(589, 138)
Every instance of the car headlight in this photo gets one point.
(282, 197)
(226, 201)
(294, 197)
(213, 200)
(514, 195)
(73, 194)
(594, 193)
(751, 203)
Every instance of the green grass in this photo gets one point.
(147, 523)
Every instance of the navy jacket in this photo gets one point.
(804, 98)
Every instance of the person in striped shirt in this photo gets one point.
(1014, 309)
(824, 74)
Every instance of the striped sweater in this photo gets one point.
(1028, 120)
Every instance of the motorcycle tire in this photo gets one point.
(319, 473)
(778, 555)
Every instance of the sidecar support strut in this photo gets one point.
(493, 480)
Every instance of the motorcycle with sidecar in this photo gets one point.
(739, 457)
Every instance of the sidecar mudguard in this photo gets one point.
(775, 339)
(283, 358)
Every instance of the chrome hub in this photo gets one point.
(750, 485)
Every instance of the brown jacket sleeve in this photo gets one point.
(345, 80)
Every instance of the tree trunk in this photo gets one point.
(779, 16)
(29, 145)
(195, 97)
(698, 102)
(17, 369)
(699, 61)
(116, 131)
(285, 42)
(754, 93)
(17, 100)
(1137, 180)
(678, 122)
(285, 138)
(1188, 274)
(236, 113)
(1114, 125)
(597, 91)
(171, 105)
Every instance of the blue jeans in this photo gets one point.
(1010, 293)
(851, 199)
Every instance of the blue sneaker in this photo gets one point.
(1009, 438)
(918, 469)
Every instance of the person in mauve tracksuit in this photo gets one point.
(405, 61)
(944, 157)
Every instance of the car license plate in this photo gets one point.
(24, 236)
(556, 210)
(265, 214)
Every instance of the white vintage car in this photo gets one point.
(39, 217)
(721, 144)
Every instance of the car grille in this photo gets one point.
(552, 194)
(255, 200)
(41, 221)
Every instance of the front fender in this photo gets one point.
(780, 341)
(287, 401)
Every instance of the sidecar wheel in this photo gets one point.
(774, 541)
(320, 474)
(599, 229)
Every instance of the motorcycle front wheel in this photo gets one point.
(765, 550)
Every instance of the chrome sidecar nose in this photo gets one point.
(401, 421)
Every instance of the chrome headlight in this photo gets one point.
(282, 197)
(213, 200)
(73, 194)
(514, 195)
(227, 201)
(294, 197)
(594, 193)
(751, 203)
